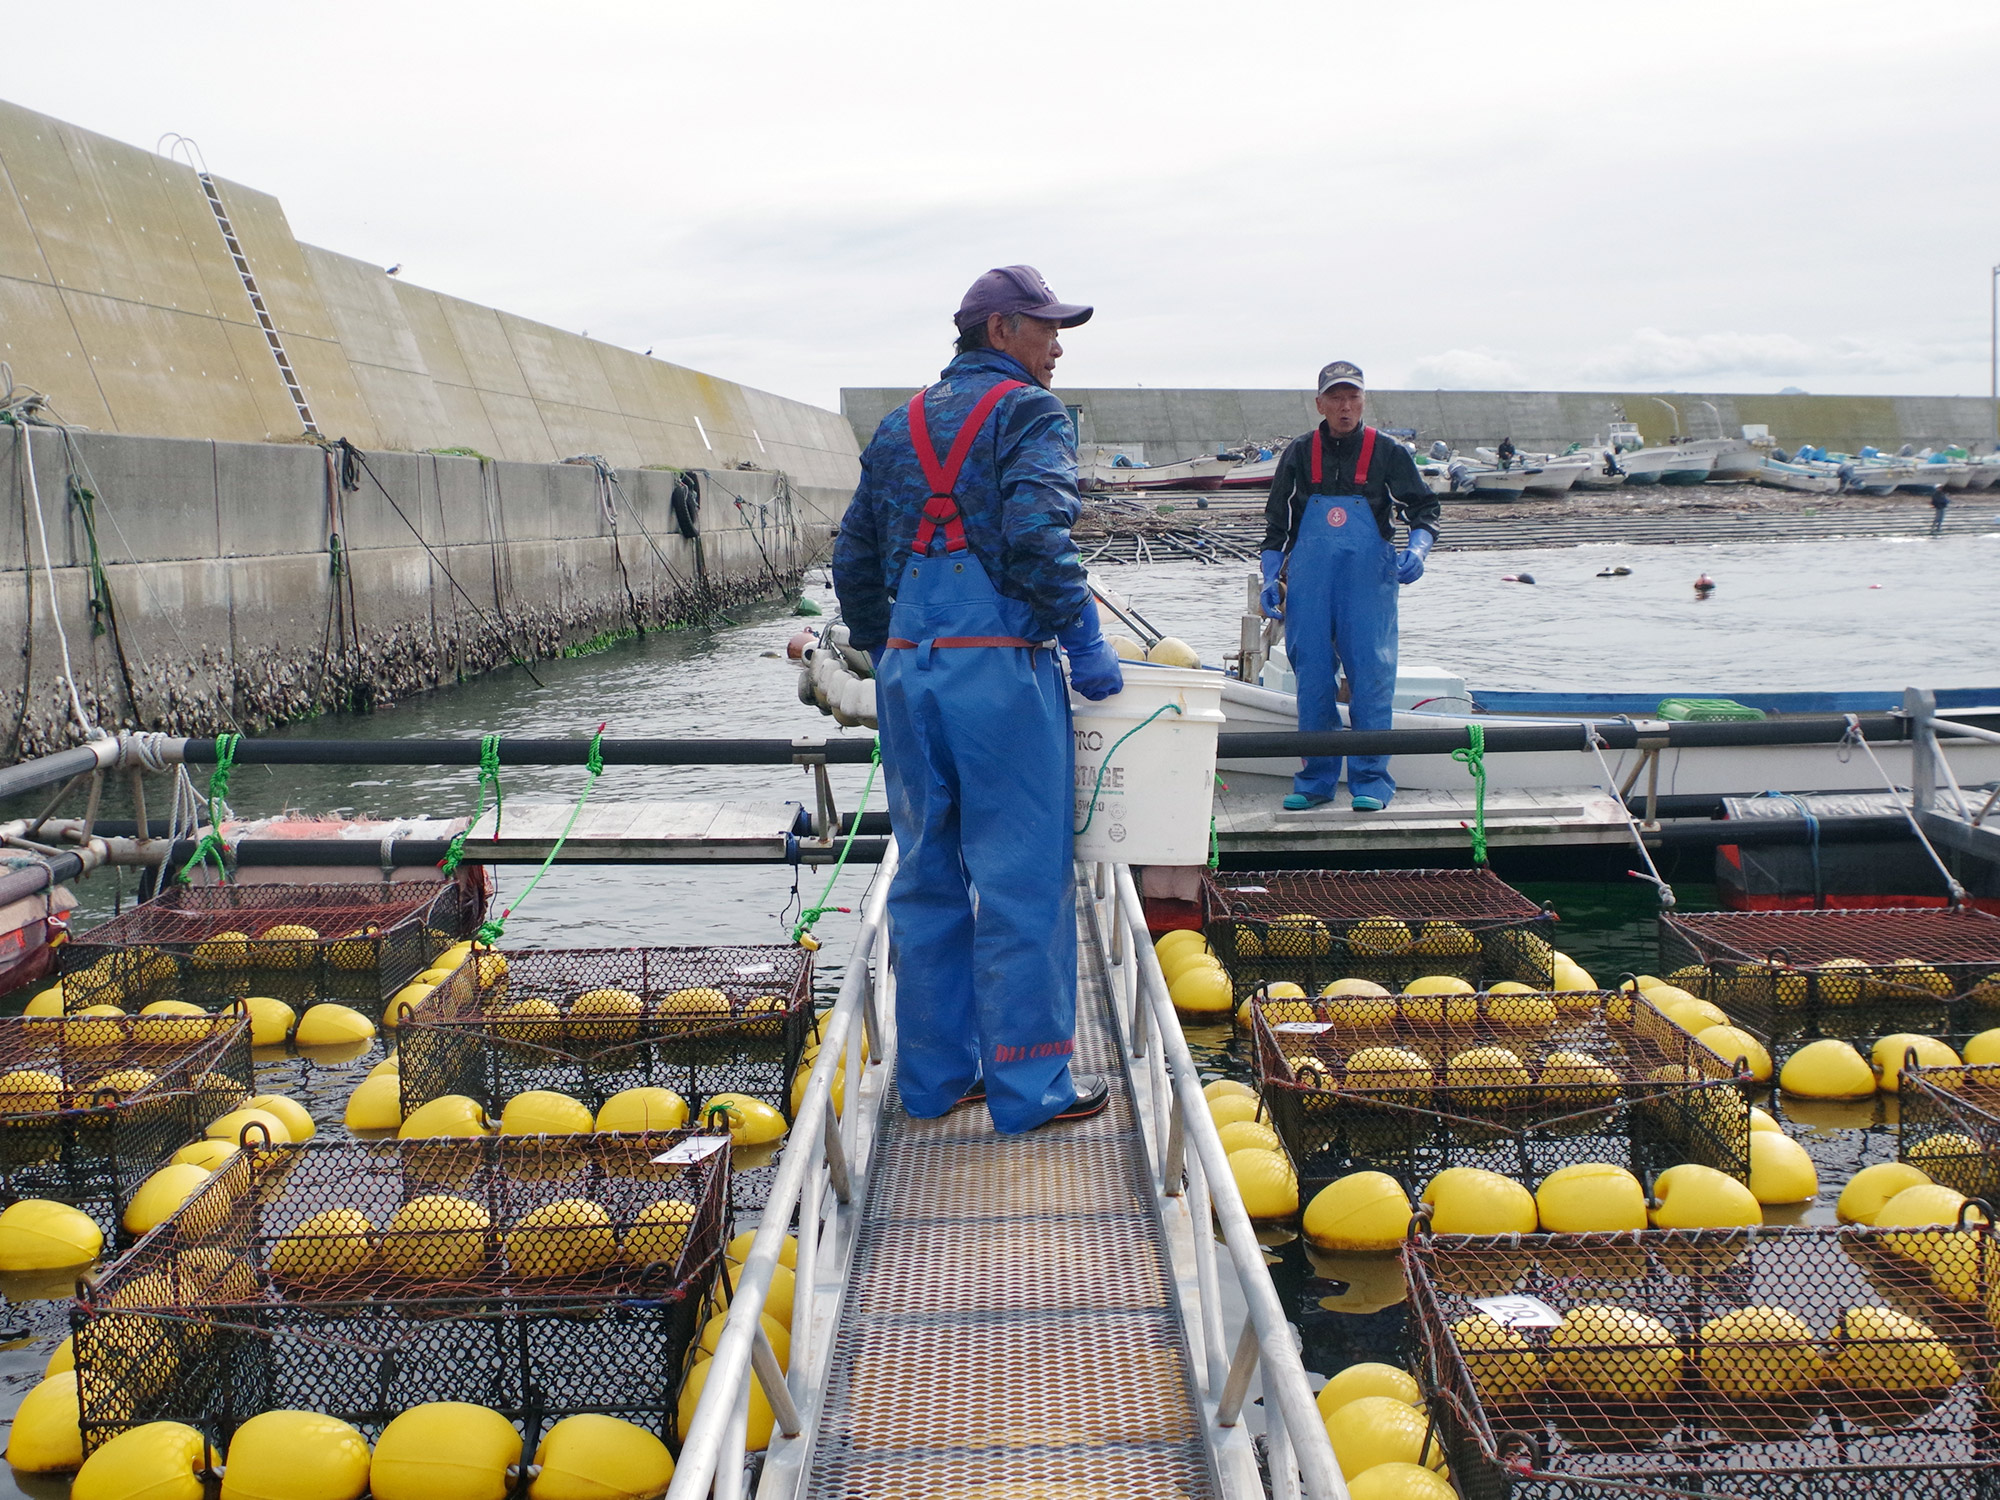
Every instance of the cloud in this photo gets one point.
(1465, 370)
(1651, 356)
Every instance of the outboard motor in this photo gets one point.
(1441, 451)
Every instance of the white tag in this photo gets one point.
(1251, 890)
(1519, 1311)
(1302, 1028)
(693, 1149)
(757, 969)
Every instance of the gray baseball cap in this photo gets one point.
(1340, 372)
(1017, 289)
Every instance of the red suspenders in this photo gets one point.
(1360, 464)
(941, 509)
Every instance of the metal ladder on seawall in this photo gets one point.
(976, 1309)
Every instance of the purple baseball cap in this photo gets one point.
(1017, 289)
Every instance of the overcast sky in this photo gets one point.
(1731, 196)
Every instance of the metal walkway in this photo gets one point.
(1009, 1316)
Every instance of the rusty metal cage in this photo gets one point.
(1755, 1364)
(1519, 1084)
(89, 1105)
(1849, 974)
(212, 945)
(1949, 1126)
(1390, 926)
(539, 1276)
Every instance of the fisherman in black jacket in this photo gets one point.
(1332, 577)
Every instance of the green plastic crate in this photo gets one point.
(1708, 710)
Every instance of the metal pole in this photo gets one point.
(1993, 292)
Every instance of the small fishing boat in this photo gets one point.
(1253, 473)
(1185, 474)
(1546, 475)
(1811, 479)
(1670, 465)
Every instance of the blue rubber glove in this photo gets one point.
(1093, 665)
(1410, 561)
(1268, 599)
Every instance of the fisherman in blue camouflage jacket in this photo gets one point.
(956, 573)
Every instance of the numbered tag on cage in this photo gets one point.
(746, 971)
(1250, 890)
(1518, 1311)
(1302, 1028)
(694, 1149)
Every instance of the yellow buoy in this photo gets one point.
(1827, 1069)
(1876, 1349)
(1468, 1200)
(1606, 1350)
(1696, 1197)
(404, 1003)
(210, 1156)
(1780, 1169)
(572, 1237)
(778, 1334)
(751, 1122)
(1217, 1088)
(291, 1114)
(1202, 990)
(438, 1237)
(1394, 1068)
(633, 1110)
(1520, 1011)
(161, 1195)
(1841, 981)
(533, 1020)
(1890, 1052)
(446, 1115)
(738, 1249)
(1171, 651)
(1951, 1254)
(1177, 938)
(226, 950)
(1226, 1109)
(757, 1434)
(1265, 1180)
(1486, 1077)
(659, 1233)
(444, 1450)
(48, 1003)
(388, 1064)
(1870, 1189)
(591, 1457)
(155, 1461)
(545, 1112)
(1732, 1044)
(1438, 984)
(1984, 1049)
(47, 1435)
(296, 1455)
(1590, 1196)
(1758, 1351)
(1361, 1213)
(700, 1001)
(62, 1357)
(38, 1235)
(287, 945)
(329, 1025)
(1372, 1430)
(1368, 1379)
(249, 1126)
(1950, 1149)
(1125, 648)
(778, 1300)
(271, 1021)
(605, 1016)
(1504, 1365)
(376, 1103)
(1378, 937)
(1400, 1481)
(1577, 1080)
(27, 1091)
(327, 1247)
(1240, 1135)
(1759, 1120)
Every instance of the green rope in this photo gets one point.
(335, 568)
(1473, 758)
(1214, 843)
(802, 929)
(490, 931)
(1091, 811)
(211, 845)
(489, 775)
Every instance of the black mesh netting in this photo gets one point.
(90, 1105)
(538, 1276)
(211, 945)
(1390, 926)
(1519, 1084)
(1765, 1364)
(1949, 1126)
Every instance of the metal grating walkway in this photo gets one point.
(1009, 1324)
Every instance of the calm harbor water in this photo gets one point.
(1795, 616)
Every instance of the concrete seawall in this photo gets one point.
(243, 585)
(1172, 424)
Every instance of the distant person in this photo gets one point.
(1940, 503)
(1331, 571)
(1506, 453)
(956, 573)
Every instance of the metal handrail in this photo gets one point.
(822, 1154)
(1299, 1453)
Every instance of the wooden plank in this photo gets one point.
(752, 820)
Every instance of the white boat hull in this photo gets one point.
(1709, 771)
(1790, 477)
(1554, 479)
(1499, 481)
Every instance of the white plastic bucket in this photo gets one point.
(1156, 790)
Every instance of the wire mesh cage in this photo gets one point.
(212, 945)
(89, 1105)
(538, 1276)
(1949, 1126)
(1756, 1364)
(1390, 926)
(1851, 974)
(1519, 1084)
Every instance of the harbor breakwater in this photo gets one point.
(1161, 426)
(204, 586)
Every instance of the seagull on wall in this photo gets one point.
(394, 269)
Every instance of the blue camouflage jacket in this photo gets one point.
(1017, 493)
